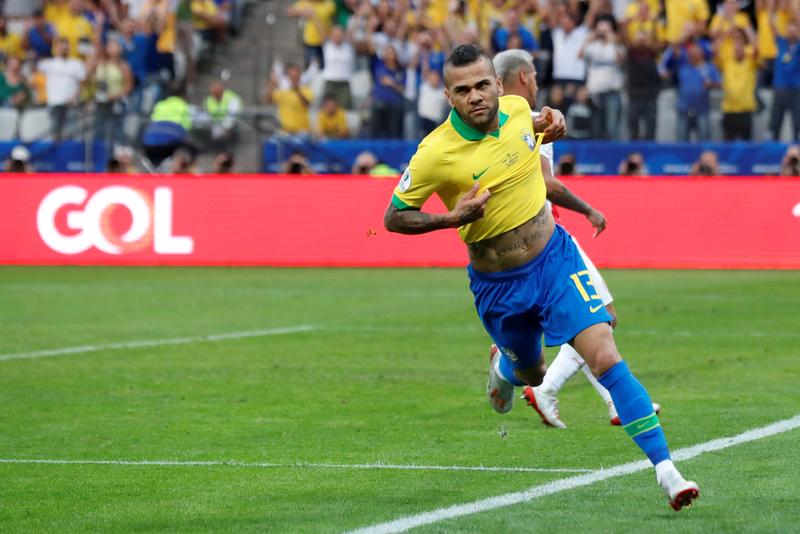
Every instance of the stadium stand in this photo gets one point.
(633, 53)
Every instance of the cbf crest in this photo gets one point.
(532, 140)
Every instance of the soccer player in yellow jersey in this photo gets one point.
(526, 273)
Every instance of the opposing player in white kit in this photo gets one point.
(518, 74)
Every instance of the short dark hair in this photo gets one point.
(466, 54)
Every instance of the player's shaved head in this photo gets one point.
(464, 55)
(518, 74)
(509, 63)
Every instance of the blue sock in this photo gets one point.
(635, 411)
(506, 370)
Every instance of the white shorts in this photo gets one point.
(597, 279)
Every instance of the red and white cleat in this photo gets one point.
(685, 497)
(680, 492)
(612, 413)
(499, 392)
(545, 405)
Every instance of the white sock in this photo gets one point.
(665, 468)
(603, 392)
(564, 367)
(500, 373)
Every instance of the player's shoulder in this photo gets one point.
(434, 148)
(514, 104)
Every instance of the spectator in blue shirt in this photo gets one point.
(39, 36)
(696, 78)
(139, 50)
(388, 105)
(786, 80)
(512, 27)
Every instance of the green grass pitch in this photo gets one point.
(390, 369)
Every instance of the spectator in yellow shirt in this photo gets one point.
(642, 20)
(739, 77)
(10, 43)
(724, 25)
(56, 9)
(318, 15)
(206, 19)
(76, 29)
(685, 19)
(292, 103)
(331, 120)
(767, 49)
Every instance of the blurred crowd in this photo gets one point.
(106, 57)
(373, 68)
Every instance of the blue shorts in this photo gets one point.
(551, 295)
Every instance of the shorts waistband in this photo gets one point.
(525, 269)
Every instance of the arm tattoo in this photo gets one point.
(413, 221)
(563, 197)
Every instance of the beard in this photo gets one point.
(484, 123)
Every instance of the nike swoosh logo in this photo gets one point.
(641, 425)
(476, 176)
(593, 309)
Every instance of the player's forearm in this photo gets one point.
(416, 222)
(561, 196)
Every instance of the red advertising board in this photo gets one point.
(337, 221)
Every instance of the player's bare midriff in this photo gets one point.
(512, 248)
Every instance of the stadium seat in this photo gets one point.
(9, 117)
(34, 124)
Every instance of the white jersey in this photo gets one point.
(546, 150)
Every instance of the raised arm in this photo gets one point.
(560, 195)
(412, 221)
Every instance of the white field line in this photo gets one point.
(156, 342)
(217, 463)
(476, 329)
(62, 351)
(440, 514)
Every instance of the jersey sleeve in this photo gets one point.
(546, 151)
(420, 180)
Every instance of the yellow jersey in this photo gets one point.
(324, 11)
(333, 126)
(739, 83)
(506, 161)
(11, 45)
(75, 29)
(292, 111)
(720, 23)
(767, 49)
(679, 12)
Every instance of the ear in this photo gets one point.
(449, 100)
(499, 85)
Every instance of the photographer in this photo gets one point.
(633, 165)
(296, 164)
(790, 166)
(707, 165)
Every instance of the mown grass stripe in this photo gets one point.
(440, 514)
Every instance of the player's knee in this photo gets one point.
(603, 360)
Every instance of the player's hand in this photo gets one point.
(554, 123)
(471, 206)
(598, 221)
